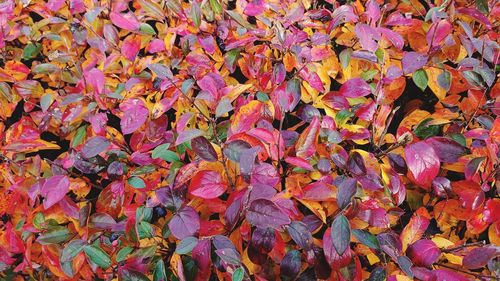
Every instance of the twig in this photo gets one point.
(465, 245)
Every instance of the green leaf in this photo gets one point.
(216, 7)
(131, 275)
(238, 274)
(38, 220)
(379, 53)
(31, 50)
(368, 75)
(345, 57)
(366, 238)
(97, 256)
(341, 234)
(55, 235)
(136, 182)
(162, 152)
(80, 134)
(423, 130)
(196, 13)
(72, 249)
(45, 68)
(46, 101)
(159, 273)
(123, 253)
(420, 79)
(143, 170)
(186, 245)
(147, 29)
(482, 5)
(459, 138)
(144, 230)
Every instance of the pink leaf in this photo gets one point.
(55, 5)
(95, 78)
(367, 36)
(135, 114)
(393, 36)
(422, 162)
(254, 8)
(355, 88)
(188, 135)
(126, 21)
(207, 185)
(475, 14)
(438, 32)
(54, 189)
(373, 11)
(130, 47)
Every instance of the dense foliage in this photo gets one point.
(238, 140)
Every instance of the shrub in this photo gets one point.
(238, 140)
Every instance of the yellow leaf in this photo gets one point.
(432, 74)
(315, 207)
(372, 258)
(442, 242)
(453, 258)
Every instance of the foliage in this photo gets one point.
(249, 139)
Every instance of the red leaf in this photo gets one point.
(333, 258)
(307, 142)
(54, 189)
(422, 162)
(207, 185)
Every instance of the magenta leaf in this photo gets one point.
(185, 223)
(355, 88)
(54, 189)
(188, 135)
(346, 191)
(422, 162)
(438, 32)
(126, 21)
(423, 252)
(265, 213)
(135, 115)
(207, 185)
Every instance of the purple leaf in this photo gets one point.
(185, 223)
(290, 265)
(94, 146)
(201, 254)
(479, 257)
(203, 148)
(355, 88)
(135, 115)
(356, 164)
(335, 260)
(422, 162)
(366, 35)
(188, 135)
(264, 213)
(54, 189)
(412, 61)
(423, 252)
(300, 235)
(346, 191)
(341, 234)
(448, 150)
(448, 275)
(441, 186)
(264, 239)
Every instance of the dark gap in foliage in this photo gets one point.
(238, 75)
(35, 16)
(16, 115)
(412, 94)
(51, 154)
